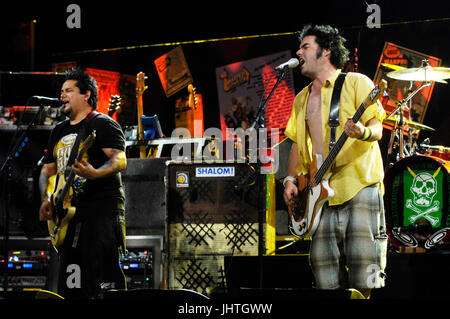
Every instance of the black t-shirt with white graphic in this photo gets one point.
(108, 135)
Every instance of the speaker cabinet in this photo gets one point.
(214, 210)
(145, 196)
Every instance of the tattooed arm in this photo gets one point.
(46, 171)
(117, 162)
(45, 212)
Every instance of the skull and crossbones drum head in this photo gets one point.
(416, 201)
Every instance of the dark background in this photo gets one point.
(127, 37)
(134, 28)
(124, 26)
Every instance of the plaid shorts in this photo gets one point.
(348, 249)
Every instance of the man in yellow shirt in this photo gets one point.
(348, 249)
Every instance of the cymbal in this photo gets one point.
(396, 119)
(398, 68)
(421, 74)
(393, 66)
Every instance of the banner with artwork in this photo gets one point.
(173, 71)
(243, 86)
(394, 58)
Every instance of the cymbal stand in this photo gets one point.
(401, 106)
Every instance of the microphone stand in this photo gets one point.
(260, 122)
(7, 168)
(259, 119)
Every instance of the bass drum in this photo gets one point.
(439, 151)
(416, 201)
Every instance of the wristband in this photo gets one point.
(369, 135)
(289, 178)
(366, 134)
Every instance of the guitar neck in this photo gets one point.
(337, 147)
(140, 111)
(142, 148)
(70, 178)
(140, 88)
(69, 182)
(373, 96)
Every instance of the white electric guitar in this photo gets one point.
(306, 208)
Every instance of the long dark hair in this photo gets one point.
(329, 38)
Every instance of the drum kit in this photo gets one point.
(417, 183)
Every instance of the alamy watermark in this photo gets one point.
(240, 146)
(374, 19)
(375, 273)
(73, 21)
(73, 279)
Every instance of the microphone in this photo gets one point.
(292, 63)
(49, 100)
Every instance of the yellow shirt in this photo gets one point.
(358, 163)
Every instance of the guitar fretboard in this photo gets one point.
(340, 142)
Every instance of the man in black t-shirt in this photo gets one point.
(89, 255)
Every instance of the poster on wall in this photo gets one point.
(394, 58)
(173, 71)
(243, 86)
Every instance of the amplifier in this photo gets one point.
(142, 264)
(137, 267)
(144, 196)
(214, 210)
(25, 268)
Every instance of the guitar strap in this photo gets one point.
(82, 133)
(334, 107)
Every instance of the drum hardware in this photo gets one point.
(435, 151)
(409, 236)
(439, 151)
(411, 147)
(404, 237)
(425, 143)
(416, 215)
(400, 123)
(435, 238)
(427, 75)
(439, 148)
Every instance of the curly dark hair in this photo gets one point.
(330, 38)
(85, 83)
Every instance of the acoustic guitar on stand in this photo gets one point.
(314, 190)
